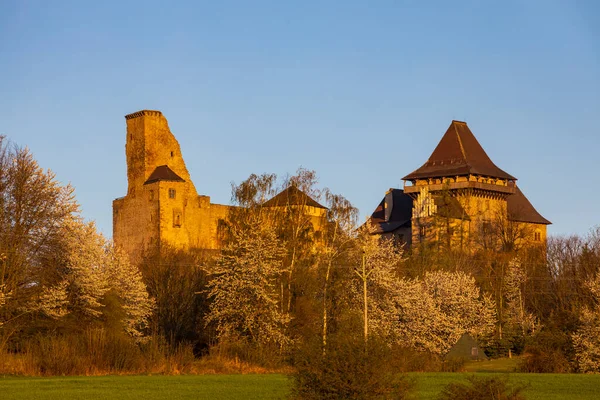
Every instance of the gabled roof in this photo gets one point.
(458, 153)
(163, 173)
(401, 213)
(292, 196)
(519, 209)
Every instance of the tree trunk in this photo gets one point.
(365, 300)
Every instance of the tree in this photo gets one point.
(33, 208)
(127, 285)
(586, 340)
(520, 322)
(435, 311)
(177, 281)
(87, 272)
(377, 279)
(243, 287)
(337, 239)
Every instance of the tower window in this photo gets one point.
(172, 193)
(537, 236)
(172, 153)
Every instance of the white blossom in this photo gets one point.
(434, 312)
(244, 288)
(586, 340)
(517, 317)
(126, 282)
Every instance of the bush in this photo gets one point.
(347, 370)
(95, 352)
(547, 352)
(483, 388)
(454, 364)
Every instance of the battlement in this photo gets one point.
(141, 113)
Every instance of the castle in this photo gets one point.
(162, 206)
(459, 198)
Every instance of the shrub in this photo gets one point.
(454, 364)
(95, 351)
(547, 352)
(347, 370)
(483, 388)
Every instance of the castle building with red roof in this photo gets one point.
(460, 198)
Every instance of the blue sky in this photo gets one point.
(361, 92)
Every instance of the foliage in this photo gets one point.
(92, 270)
(547, 352)
(243, 287)
(33, 209)
(375, 284)
(94, 351)
(347, 370)
(518, 318)
(586, 340)
(483, 388)
(434, 312)
(177, 282)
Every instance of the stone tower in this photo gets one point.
(162, 206)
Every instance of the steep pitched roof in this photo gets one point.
(400, 216)
(458, 153)
(163, 173)
(519, 209)
(292, 196)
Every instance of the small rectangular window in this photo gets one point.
(171, 193)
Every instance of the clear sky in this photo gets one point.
(361, 92)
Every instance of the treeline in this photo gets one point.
(295, 286)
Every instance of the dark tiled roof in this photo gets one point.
(400, 216)
(458, 153)
(519, 209)
(163, 173)
(292, 196)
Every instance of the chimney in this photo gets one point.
(388, 204)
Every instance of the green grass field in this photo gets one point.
(247, 387)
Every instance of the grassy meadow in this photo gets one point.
(268, 386)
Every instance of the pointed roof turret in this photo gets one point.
(163, 173)
(458, 153)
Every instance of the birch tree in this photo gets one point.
(376, 282)
(338, 234)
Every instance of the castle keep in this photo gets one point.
(461, 199)
(162, 206)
